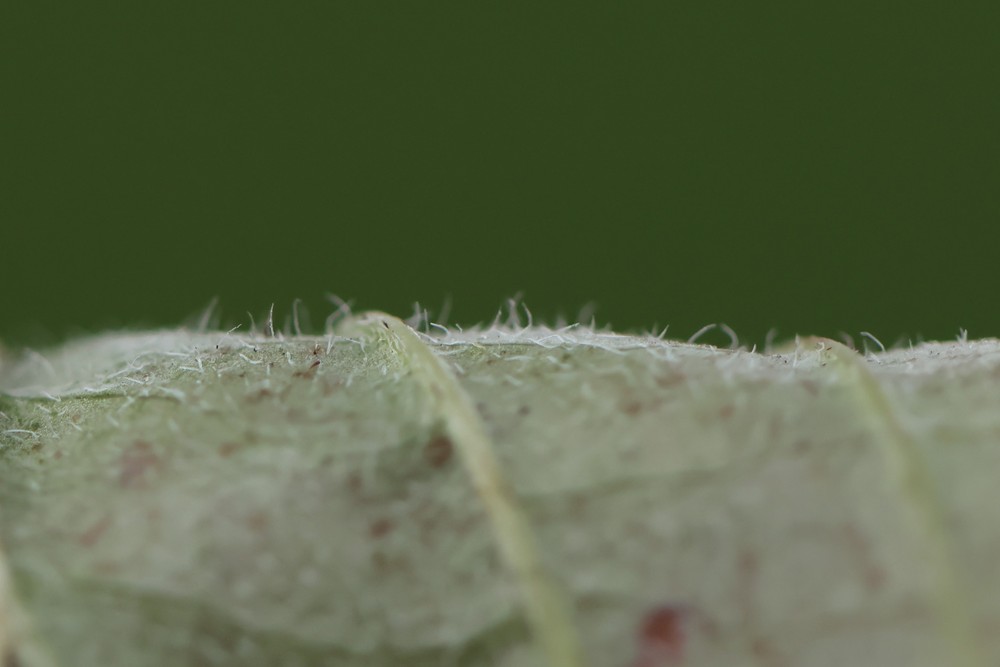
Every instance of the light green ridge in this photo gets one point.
(548, 611)
(918, 489)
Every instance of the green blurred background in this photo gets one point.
(816, 167)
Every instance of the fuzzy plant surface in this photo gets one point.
(503, 496)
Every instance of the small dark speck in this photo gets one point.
(661, 637)
(354, 482)
(135, 462)
(385, 324)
(523, 410)
(632, 407)
(309, 372)
(380, 528)
(227, 449)
(438, 450)
(257, 521)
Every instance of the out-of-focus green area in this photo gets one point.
(815, 169)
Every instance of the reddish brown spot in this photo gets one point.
(391, 563)
(107, 567)
(354, 482)
(259, 395)
(726, 411)
(523, 410)
(661, 637)
(632, 407)
(766, 654)
(871, 572)
(578, 505)
(309, 372)
(438, 450)
(666, 381)
(89, 537)
(58, 455)
(775, 425)
(227, 449)
(380, 528)
(11, 659)
(137, 460)
(811, 387)
(257, 521)
(466, 525)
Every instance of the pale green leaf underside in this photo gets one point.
(499, 497)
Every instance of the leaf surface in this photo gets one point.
(497, 497)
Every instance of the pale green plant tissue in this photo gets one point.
(503, 496)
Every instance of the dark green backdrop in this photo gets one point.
(814, 168)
